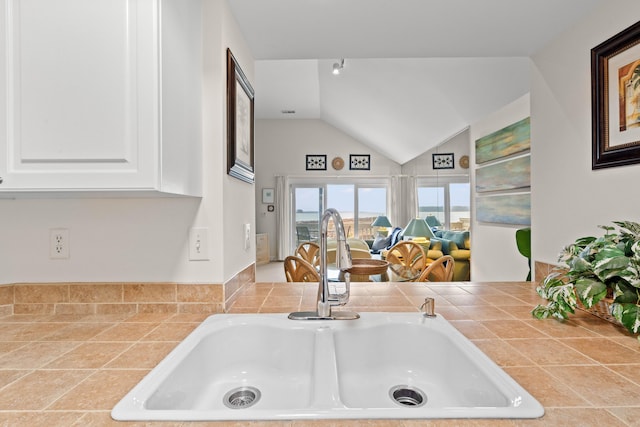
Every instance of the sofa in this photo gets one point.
(458, 245)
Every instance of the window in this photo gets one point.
(372, 202)
(358, 203)
(448, 199)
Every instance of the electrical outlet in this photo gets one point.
(59, 243)
(247, 236)
(198, 244)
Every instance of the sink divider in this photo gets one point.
(326, 393)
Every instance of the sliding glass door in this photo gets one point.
(358, 203)
(308, 202)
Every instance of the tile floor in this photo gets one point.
(70, 370)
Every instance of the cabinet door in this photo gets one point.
(80, 81)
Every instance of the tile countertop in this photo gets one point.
(68, 370)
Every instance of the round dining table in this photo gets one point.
(393, 273)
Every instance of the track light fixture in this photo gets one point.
(338, 66)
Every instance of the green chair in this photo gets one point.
(523, 240)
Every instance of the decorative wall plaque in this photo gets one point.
(443, 161)
(316, 162)
(360, 162)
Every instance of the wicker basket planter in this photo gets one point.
(593, 269)
(601, 309)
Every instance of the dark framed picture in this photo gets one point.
(443, 160)
(240, 95)
(316, 162)
(359, 162)
(615, 106)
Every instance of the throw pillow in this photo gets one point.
(381, 243)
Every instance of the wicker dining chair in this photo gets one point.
(297, 269)
(407, 253)
(440, 270)
(310, 252)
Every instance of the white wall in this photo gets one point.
(238, 205)
(145, 239)
(281, 149)
(423, 164)
(569, 199)
(494, 253)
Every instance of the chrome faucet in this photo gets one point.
(326, 299)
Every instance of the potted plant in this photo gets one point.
(595, 271)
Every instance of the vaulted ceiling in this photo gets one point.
(416, 72)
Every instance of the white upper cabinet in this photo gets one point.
(99, 95)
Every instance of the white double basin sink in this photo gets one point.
(383, 365)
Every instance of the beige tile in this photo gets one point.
(503, 301)
(35, 391)
(599, 326)
(512, 329)
(603, 350)
(8, 376)
(582, 417)
(78, 332)
(76, 308)
(96, 293)
(472, 329)
(125, 308)
(281, 301)
(28, 294)
(451, 313)
(32, 308)
(150, 292)
(143, 355)
(414, 288)
(546, 389)
(249, 301)
(457, 422)
(88, 356)
(560, 329)
(483, 289)
(150, 317)
(630, 416)
(28, 331)
(279, 309)
(263, 289)
(8, 347)
(6, 294)
(630, 372)
(287, 291)
(158, 308)
(547, 351)
(26, 318)
(503, 353)
(170, 331)
(100, 391)
(464, 300)
(125, 332)
(521, 311)
(49, 419)
(35, 354)
(200, 293)
(106, 317)
(189, 317)
(597, 384)
(478, 312)
(195, 308)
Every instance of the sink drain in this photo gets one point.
(241, 397)
(407, 396)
